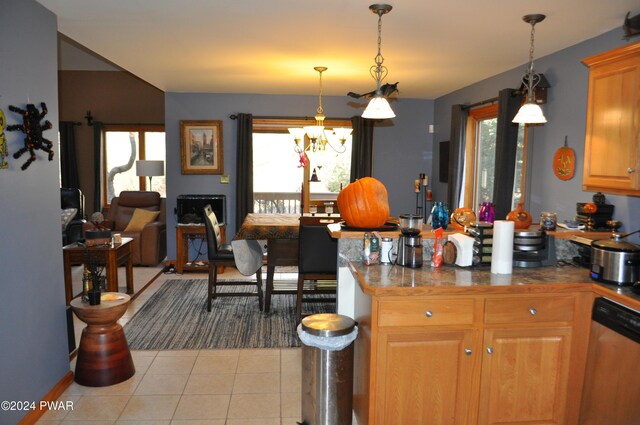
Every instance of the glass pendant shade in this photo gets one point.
(342, 133)
(314, 132)
(530, 113)
(378, 108)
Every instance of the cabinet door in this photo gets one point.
(524, 375)
(425, 377)
(613, 122)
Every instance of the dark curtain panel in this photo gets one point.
(456, 155)
(97, 166)
(362, 149)
(244, 168)
(506, 148)
(68, 160)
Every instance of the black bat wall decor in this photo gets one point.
(386, 90)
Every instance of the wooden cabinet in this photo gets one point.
(612, 154)
(484, 359)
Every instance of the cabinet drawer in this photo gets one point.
(425, 312)
(529, 309)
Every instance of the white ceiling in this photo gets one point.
(431, 47)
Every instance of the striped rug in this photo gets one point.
(176, 318)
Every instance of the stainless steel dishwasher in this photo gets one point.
(612, 380)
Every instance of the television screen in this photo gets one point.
(190, 208)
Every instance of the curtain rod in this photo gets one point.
(482, 102)
(234, 117)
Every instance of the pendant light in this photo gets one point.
(530, 112)
(317, 134)
(378, 107)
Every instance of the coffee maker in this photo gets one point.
(410, 242)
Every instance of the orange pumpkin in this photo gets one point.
(590, 208)
(364, 203)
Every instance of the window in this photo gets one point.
(123, 145)
(280, 183)
(480, 158)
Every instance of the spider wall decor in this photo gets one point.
(32, 129)
(4, 151)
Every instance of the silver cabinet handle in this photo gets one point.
(428, 313)
(490, 350)
(468, 351)
(631, 170)
(533, 311)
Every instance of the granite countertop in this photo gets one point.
(390, 280)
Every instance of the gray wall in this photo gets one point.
(34, 353)
(402, 146)
(566, 111)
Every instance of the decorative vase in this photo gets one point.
(462, 217)
(487, 213)
(440, 215)
(520, 217)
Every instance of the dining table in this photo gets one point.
(280, 231)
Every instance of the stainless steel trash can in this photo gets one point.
(327, 369)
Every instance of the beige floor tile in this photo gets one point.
(161, 384)
(150, 407)
(142, 363)
(215, 364)
(203, 407)
(254, 406)
(143, 353)
(127, 387)
(219, 352)
(290, 405)
(252, 352)
(219, 383)
(291, 421)
(86, 422)
(178, 353)
(98, 408)
(143, 422)
(198, 422)
(290, 382)
(256, 383)
(259, 364)
(258, 421)
(171, 365)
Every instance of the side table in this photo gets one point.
(103, 356)
(186, 232)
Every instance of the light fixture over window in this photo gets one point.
(318, 135)
(530, 112)
(378, 107)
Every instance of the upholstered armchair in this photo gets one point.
(141, 216)
(72, 203)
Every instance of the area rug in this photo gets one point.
(176, 318)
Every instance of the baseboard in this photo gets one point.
(33, 416)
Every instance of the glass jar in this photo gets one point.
(487, 213)
(548, 221)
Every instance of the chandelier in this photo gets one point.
(318, 135)
(378, 107)
(530, 112)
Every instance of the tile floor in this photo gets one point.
(190, 387)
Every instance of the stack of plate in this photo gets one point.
(527, 245)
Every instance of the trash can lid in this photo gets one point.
(328, 324)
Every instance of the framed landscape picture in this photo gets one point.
(201, 147)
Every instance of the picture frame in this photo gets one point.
(201, 147)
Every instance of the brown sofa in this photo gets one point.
(150, 244)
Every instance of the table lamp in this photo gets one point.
(149, 168)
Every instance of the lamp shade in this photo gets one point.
(149, 168)
(530, 113)
(378, 108)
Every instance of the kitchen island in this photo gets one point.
(465, 346)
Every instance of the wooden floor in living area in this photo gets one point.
(189, 387)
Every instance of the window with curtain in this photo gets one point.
(480, 159)
(123, 146)
(280, 183)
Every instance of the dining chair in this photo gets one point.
(222, 255)
(317, 261)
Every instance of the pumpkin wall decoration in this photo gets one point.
(364, 203)
(564, 162)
